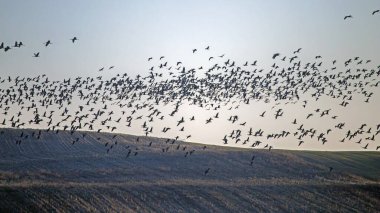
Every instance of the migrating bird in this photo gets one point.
(6, 48)
(47, 43)
(74, 39)
(275, 55)
(297, 51)
(262, 114)
(207, 170)
(348, 16)
(36, 55)
(374, 12)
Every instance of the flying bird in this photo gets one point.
(348, 16)
(275, 55)
(207, 171)
(47, 43)
(74, 39)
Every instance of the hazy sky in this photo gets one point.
(125, 33)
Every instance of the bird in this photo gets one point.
(275, 55)
(347, 16)
(36, 55)
(225, 139)
(366, 146)
(262, 114)
(376, 11)
(74, 39)
(297, 51)
(194, 50)
(207, 171)
(47, 43)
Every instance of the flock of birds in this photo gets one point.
(95, 104)
(19, 44)
(350, 16)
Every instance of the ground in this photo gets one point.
(51, 174)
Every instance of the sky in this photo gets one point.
(125, 33)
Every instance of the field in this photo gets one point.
(51, 174)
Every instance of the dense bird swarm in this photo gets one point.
(69, 117)
(90, 103)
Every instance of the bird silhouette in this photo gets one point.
(47, 43)
(207, 171)
(74, 39)
(347, 17)
(225, 86)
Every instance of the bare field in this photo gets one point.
(51, 174)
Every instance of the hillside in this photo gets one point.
(52, 173)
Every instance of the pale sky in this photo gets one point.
(125, 33)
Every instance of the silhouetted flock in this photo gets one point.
(89, 103)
